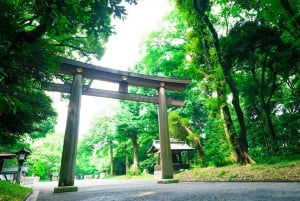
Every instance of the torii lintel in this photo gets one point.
(124, 78)
(111, 75)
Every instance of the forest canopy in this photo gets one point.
(35, 35)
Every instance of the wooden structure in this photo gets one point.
(10, 173)
(5, 155)
(80, 71)
(177, 150)
(4, 172)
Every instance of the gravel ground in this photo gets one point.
(110, 190)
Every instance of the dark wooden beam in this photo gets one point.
(66, 88)
(111, 75)
(123, 87)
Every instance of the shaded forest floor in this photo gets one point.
(286, 171)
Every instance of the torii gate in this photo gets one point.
(81, 70)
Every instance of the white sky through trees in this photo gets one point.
(122, 52)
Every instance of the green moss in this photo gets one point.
(283, 171)
(221, 173)
(232, 176)
(65, 189)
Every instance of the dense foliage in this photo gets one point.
(241, 52)
(35, 35)
(242, 104)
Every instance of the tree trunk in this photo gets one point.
(197, 142)
(135, 153)
(240, 150)
(111, 153)
(237, 107)
(126, 161)
(240, 155)
(266, 104)
(263, 107)
(294, 17)
(268, 121)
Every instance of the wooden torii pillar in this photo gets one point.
(80, 71)
(165, 147)
(68, 159)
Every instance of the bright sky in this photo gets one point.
(122, 52)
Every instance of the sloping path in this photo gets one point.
(108, 190)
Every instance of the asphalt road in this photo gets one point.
(115, 190)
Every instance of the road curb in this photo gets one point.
(32, 196)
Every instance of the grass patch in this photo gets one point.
(13, 192)
(221, 173)
(283, 171)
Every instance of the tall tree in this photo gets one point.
(259, 58)
(128, 127)
(165, 54)
(197, 15)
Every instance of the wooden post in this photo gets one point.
(165, 149)
(19, 173)
(68, 160)
(123, 87)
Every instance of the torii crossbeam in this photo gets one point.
(81, 70)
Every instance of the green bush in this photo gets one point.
(39, 169)
(149, 163)
(13, 192)
(131, 171)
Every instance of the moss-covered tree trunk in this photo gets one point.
(111, 154)
(126, 161)
(135, 153)
(239, 143)
(238, 153)
(237, 107)
(197, 143)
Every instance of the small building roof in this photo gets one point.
(23, 150)
(7, 155)
(175, 146)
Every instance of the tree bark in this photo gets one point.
(240, 155)
(197, 142)
(135, 153)
(111, 152)
(266, 104)
(126, 161)
(237, 107)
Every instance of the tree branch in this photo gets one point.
(295, 19)
(84, 52)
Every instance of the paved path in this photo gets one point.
(109, 190)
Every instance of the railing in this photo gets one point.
(11, 173)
